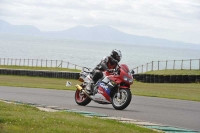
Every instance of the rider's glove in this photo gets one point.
(110, 70)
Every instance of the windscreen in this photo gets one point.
(124, 67)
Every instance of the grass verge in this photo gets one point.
(16, 118)
(189, 91)
(37, 82)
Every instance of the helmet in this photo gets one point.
(116, 54)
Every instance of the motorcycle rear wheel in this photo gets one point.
(81, 98)
(124, 100)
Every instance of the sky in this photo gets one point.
(169, 19)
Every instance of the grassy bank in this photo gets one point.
(40, 68)
(26, 119)
(174, 72)
(190, 91)
(37, 82)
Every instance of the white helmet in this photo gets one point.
(116, 54)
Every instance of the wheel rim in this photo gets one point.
(80, 97)
(120, 101)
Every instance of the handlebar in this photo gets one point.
(85, 69)
(110, 70)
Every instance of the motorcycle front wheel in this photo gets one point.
(122, 101)
(81, 98)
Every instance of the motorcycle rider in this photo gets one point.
(108, 63)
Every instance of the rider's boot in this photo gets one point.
(89, 87)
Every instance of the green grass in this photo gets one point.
(15, 118)
(189, 91)
(174, 72)
(37, 82)
(40, 68)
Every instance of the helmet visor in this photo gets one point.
(118, 58)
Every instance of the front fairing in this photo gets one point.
(123, 76)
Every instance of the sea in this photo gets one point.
(88, 53)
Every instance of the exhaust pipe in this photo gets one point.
(81, 89)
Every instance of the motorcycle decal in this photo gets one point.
(103, 93)
(99, 91)
(100, 97)
(105, 87)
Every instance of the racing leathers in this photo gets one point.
(107, 63)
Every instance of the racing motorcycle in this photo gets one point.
(113, 88)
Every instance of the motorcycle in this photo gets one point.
(113, 88)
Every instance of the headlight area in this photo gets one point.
(127, 79)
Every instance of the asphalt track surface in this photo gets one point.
(169, 112)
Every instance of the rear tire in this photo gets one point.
(124, 100)
(81, 98)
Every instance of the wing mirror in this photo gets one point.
(132, 72)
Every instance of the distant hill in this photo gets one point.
(5, 27)
(108, 34)
(101, 33)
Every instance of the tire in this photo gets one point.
(81, 99)
(124, 101)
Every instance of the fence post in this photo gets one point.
(28, 62)
(67, 64)
(182, 65)
(46, 62)
(61, 63)
(19, 62)
(24, 62)
(15, 62)
(166, 65)
(152, 66)
(11, 61)
(7, 61)
(174, 65)
(56, 63)
(32, 62)
(75, 66)
(142, 68)
(199, 64)
(137, 69)
(41, 62)
(36, 63)
(51, 63)
(158, 64)
(4, 62)
(190, 64)
(147, 67)
(0, 61)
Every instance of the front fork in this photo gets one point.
(118, 90)
(118, 94)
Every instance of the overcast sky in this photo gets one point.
(169, 19)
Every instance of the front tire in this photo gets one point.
(120, 103)
(81, 98)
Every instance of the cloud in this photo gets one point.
(170, 19)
